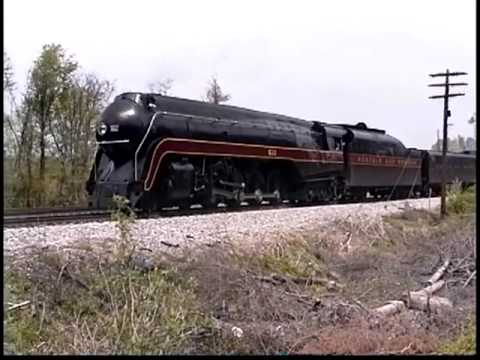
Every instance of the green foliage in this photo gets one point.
(121, 312)
(295, 258)
(294, 261)
(461, 201)
(124, 218)
(463, 344)
(102, 304)
(51, 133)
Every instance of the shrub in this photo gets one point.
(461, 202)
(463, 344)
(124, 217)
(86, 301)
(81, 305)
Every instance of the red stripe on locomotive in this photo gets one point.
(217, 148)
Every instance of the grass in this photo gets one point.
(98, 300)
(89, 302)
(465, 343)
(295, 258)
(117, 312)
(461, 202)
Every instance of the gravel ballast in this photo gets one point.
(180, 232)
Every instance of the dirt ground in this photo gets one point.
(366, 265)
(303, 293)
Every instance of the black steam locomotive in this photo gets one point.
(160, 151)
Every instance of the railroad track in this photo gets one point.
(51, 216)
(46, 216)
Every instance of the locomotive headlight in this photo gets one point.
(102, 129)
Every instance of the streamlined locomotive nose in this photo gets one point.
(122, 125)
(124, 119)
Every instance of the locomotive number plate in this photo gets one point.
(272, 152)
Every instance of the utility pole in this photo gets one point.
(446, 114)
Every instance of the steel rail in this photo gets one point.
(53, 216)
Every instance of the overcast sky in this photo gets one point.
(339, 61)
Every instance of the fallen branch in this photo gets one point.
(439, 273)
(16, 306)
(303, 298)
(278, 279)
(307, 281)
(392, 307)
(166, 243)
(345, 246)
(405, 349)
(470, 278)
(459, 264)
(269, 279)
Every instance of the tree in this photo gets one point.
(161, 87)
(11, 140)
(8, 82)
(214, 93)
(471, 144)
(73, 129)
(56, 120)
(473, 120)
(457, 144)
(25, 153)
(51, 75)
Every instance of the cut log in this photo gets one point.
(392, 307)
(434, 304)
(429, 290)
(439, 273)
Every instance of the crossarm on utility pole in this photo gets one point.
(452, 84)
(448, 74)
(442, 96)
